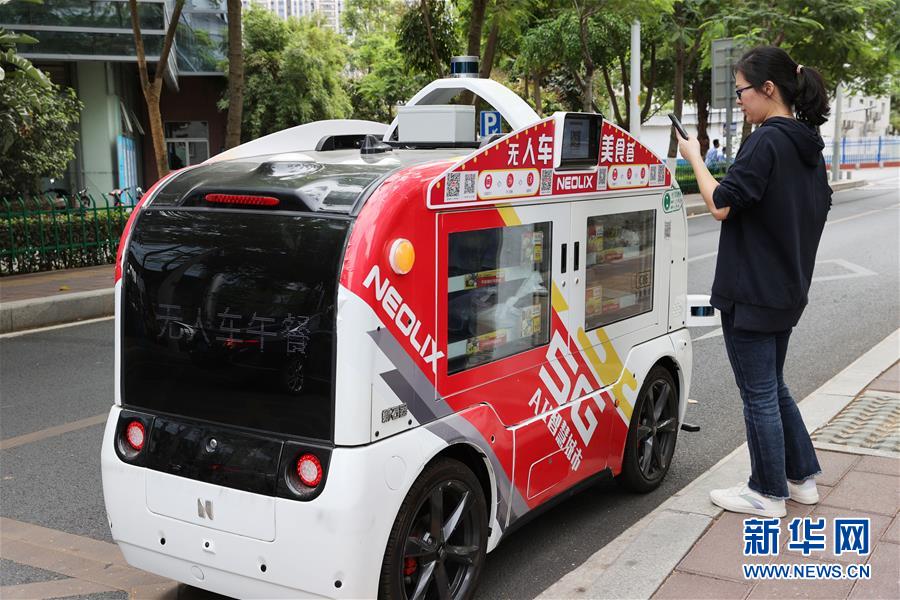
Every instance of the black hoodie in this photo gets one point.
(779, 197)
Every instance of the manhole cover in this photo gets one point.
(870, 421)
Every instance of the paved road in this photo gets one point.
(61, 376)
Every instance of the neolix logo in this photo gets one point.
(204, 509)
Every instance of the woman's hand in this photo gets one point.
(690, 148)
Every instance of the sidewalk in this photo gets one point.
(53, 297)
(689, 548)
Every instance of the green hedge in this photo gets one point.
(44, 240)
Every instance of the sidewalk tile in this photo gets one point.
(885, 581)
(878, 524)
(720, 552)
(889, 380)
(879, 464)
(893, 533)
(834, 466)
(688, 586)
(867, 492)
(801, 588)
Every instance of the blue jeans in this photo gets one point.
(780, 447)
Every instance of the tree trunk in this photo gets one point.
(745, 131)
(526, 95)
(152, 94)
(678, 99)
(235, 75)
(650, 85)
(701, 100)
(612, 96)
(538, 105)
(476, 24)
(426, 16)
(490, 50)
(587, 95)
(626, 86)
(153, 88)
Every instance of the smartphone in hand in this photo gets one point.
(678, 126)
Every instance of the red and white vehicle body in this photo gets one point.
(513, 311)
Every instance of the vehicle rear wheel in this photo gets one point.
(651, 436)
(438, 543)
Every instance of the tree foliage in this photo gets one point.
(44, 140)
(427, 36)
(293, 73)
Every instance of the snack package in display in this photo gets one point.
(593, 300)
(485, 343)
(483, 279)
(531, 320)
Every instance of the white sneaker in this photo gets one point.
(742, 499)
(804, 493)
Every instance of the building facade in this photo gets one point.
(330, 10)
(89, 45)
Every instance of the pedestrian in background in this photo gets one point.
(714, 156)
(772, 204)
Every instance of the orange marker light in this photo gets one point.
(402, 256)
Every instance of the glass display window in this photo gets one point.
(498, 293)
(619, 267)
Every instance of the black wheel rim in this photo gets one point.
(442, 550)
(656, 430)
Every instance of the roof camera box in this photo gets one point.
(436, 123)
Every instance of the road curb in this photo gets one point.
(694, 204)
(637, 562)
(20, 315)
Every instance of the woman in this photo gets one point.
(772, 204)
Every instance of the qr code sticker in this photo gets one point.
(546, 182)
(652, 175)
(601, 177)
(453, 186)
(469, 180)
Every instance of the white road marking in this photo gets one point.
(854, 270)
(52, 327)
(714, 333)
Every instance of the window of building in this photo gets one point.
(187, 143)
(499, 293)
(619, 261)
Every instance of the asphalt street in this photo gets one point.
(58, 376)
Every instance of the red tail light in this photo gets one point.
(135, 435)
(309, 469)
(244, 199)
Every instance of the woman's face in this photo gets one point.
(757, 103)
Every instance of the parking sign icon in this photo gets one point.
(490, 122)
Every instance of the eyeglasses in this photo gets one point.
(740, 91)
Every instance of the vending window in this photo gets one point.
(498, 293)
(619, 267)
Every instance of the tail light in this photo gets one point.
(135, 434)
(309, 470)
(242, 199)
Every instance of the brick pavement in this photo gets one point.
(855, 482)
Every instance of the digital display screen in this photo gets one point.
(580, 140)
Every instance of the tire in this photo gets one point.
(420, 561)
(651, 438)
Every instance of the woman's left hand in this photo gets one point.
(690, 148)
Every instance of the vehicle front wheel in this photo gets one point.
(650, 443)
(438, 543)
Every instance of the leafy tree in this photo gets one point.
(37, 118)
(427, 36)
(44, 140)
(293, 73)
(379, 76)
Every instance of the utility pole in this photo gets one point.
(634, 114)
(836, 142)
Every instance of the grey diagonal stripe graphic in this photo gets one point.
(413, 388)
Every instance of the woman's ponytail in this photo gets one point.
(811, 101)
(802, 88)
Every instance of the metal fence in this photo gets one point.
(46, 233)
(866, 150)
